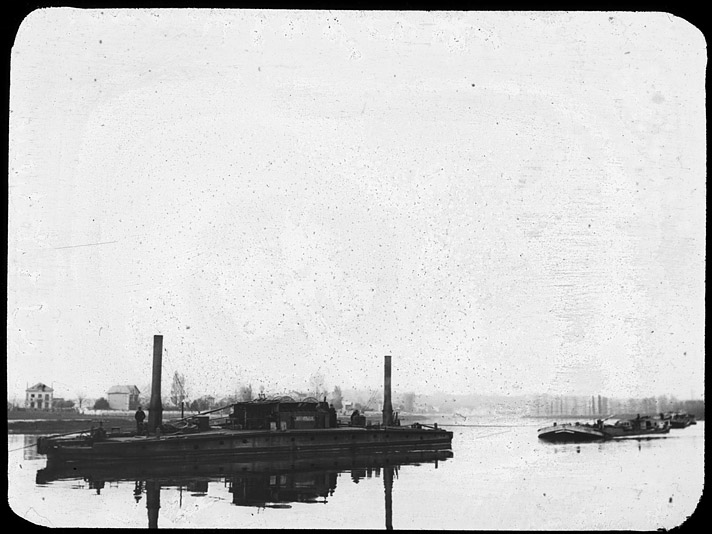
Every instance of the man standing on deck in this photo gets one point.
(140, 416)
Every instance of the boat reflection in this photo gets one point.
(29, 449)
(273, 482)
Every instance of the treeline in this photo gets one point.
(546, 405)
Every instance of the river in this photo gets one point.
(499, 477)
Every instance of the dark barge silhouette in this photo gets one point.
(258, 428)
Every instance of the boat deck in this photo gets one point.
(226, 432)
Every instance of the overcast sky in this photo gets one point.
(504, 202)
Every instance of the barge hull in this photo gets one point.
(570, 434)
(183, 447)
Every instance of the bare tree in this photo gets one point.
(178, 389)
(408, 401)
(246, 393)
(316, 385)
(337, 399)
(81, 397)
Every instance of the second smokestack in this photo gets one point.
(387, 405)
(155, 409)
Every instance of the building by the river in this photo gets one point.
(39, 397)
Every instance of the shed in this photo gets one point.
(123, 397)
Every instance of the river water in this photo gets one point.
(498, 477)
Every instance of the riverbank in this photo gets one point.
(61, 426)
(36, 422)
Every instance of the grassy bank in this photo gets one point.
(38, 422)
(60, 426)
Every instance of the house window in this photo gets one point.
(32, 395)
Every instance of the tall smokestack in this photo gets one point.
(387, 406)
(155, 410)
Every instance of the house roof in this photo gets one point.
(130, 390)
(39, 386)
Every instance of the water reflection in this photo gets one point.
(29, 449)
(273, 482)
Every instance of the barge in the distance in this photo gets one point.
(645, 427)
(256, 429)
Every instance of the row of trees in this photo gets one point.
(545, 405)
(180, 395)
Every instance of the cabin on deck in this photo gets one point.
(282, 413)
(642, 423)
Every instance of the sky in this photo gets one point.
(504, 202)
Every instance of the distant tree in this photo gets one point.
(408, 402)
(316, 385)
(178, 389)
(200, 404)
(245, 394)
(81, 397)
(102, 404)
(337, 399)
(62, 403)
(696, 408)
(144, 398)
(649, 405)
(225, 401)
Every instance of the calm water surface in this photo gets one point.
(499, 477)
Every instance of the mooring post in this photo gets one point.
(155, 409)
(387, 406)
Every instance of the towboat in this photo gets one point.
(680, 419)
(639, 428)
(257, 428)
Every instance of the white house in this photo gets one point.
(123, 397)
(39, 397)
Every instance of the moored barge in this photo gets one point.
(257, 428)
(639, 428)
